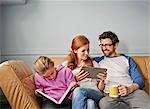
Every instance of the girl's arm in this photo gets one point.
(38, 80)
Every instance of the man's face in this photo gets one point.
(107, 47)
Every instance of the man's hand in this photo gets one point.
(123, 90)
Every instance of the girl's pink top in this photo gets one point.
(55, 88)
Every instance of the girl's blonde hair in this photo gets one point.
(42, 64)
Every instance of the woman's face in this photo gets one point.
(50, 73)
(82, 52)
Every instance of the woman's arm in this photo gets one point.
(101, 83)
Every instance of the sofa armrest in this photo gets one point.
(16, 82)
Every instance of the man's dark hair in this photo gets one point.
(110, 35)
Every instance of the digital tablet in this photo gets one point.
(94, 71)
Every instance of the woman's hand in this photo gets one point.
(81, 75)
(102, 76)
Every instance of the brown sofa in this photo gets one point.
(16, 81)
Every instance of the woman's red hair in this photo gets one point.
(78, 42)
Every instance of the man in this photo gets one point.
(122, 71)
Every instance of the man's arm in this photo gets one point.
(124, 90)
(133, 87)
(135, 73)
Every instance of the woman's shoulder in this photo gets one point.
(95, 64)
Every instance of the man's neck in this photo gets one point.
(113, 55)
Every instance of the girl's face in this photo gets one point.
(50, 73)
(82, 52)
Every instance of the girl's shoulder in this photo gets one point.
(39, 79)
(62, 67)
(36, 75)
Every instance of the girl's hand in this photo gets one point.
(81, 75)
(37, 94)
(123, 90)
(75, 85)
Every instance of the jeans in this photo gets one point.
(91, 104)
(86, 98)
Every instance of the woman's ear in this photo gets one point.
(75, 51)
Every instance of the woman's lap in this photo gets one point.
(84, 98)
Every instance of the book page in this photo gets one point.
(62, 98)
(47, 96)
(66, 92)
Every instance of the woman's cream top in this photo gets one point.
(87, 82)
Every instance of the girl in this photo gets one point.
(50, 80)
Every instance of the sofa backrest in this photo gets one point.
(58, 60)
(143, 63)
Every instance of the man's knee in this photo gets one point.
(106, 103)
(109, 103)
(112, 103)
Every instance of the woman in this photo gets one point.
(87, 94)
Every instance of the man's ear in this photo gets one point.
(116, 45)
